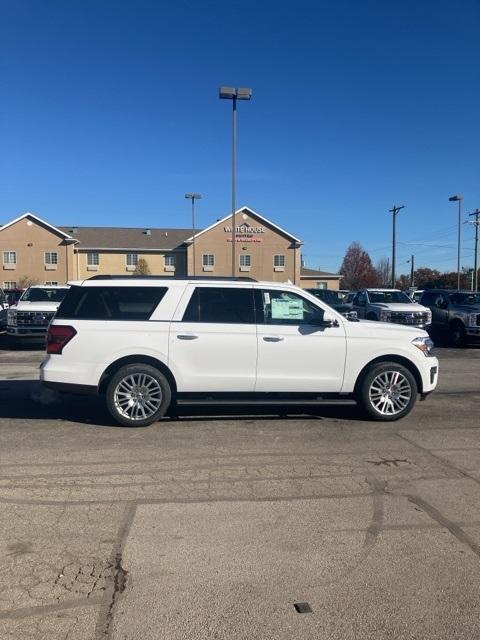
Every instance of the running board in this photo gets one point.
(182, 402)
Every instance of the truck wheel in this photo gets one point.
(458, 335)
(387, 392)
(138, 395)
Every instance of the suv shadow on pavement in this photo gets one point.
(29, 400)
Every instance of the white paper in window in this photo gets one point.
(287, 309)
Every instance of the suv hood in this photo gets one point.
(400, 306)
(24, 305)
(383, 330)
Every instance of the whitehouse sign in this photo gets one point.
(245, 232)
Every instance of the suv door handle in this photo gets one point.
(273, 338)
(187, 336)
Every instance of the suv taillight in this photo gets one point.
(58, 336)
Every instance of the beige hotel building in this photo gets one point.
(31, 248)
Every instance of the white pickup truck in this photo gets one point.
(29, 320)
(391, 305)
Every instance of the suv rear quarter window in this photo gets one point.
(221, 305)
(110, 303)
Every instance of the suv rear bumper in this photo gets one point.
(76, 389)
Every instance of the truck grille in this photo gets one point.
(404, 317)
(34, 318)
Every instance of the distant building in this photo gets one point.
(32, 248)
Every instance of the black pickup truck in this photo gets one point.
(455, 314)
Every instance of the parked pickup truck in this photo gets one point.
(30, 318)
(390, 305)
(455, 314)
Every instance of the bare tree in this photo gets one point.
(26, 281)
(384, 272)
(142, 268)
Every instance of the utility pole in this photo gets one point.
(394, 210)
(412, 271)
(476, 222)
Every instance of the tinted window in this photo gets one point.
(220, 304)
(285, 307)
(111, 303)
(389, 296)
(43, 295)
(428, 299)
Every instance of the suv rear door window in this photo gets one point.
(111, 303)
(221, 305)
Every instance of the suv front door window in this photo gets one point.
(291, 337)
(213, 343)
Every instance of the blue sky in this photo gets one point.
(110, 113)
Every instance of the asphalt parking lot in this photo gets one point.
(215, 527)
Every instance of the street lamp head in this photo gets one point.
(232, 93)
(456, 198)
(193, 196)
(227, 93)
(244, 94)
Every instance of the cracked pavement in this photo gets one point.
(214, 527)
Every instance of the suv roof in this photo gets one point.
(183, 278)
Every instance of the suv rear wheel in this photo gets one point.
(138, 395)
(387, 392)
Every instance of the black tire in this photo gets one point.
(151, 398)
(377, 404)
(458, 335)
(371, 316)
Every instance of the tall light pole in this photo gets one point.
(458, 198)
(476, 222)
(394, 210)
(234, 94)
(193, 197)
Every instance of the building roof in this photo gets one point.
(254, 214)
(35, 218)
(131, 238)
(313, 273)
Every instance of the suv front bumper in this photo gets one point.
(27, 333)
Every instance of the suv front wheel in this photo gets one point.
(138, 395)
(387, 392)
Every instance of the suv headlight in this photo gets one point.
(429, 316)
(11, 317)
(472, 319)
(425, 344)
(385, 315)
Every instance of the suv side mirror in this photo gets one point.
(325, 319)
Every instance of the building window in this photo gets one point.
(9, 257)
(169, 260)
(51, 283)
(208, 260)
(51, 258)
(9, 284)
(93, 259)
(245, 260)
(279, 263)
(132, 259)
(321, 285)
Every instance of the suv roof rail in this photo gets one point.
(120, 277)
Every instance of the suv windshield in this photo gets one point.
(330, 297)
(388, 297)
(35, 294)
(465, 298)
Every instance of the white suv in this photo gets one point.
(151, 343)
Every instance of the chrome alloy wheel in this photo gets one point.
(390, 392)
(138, 396)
